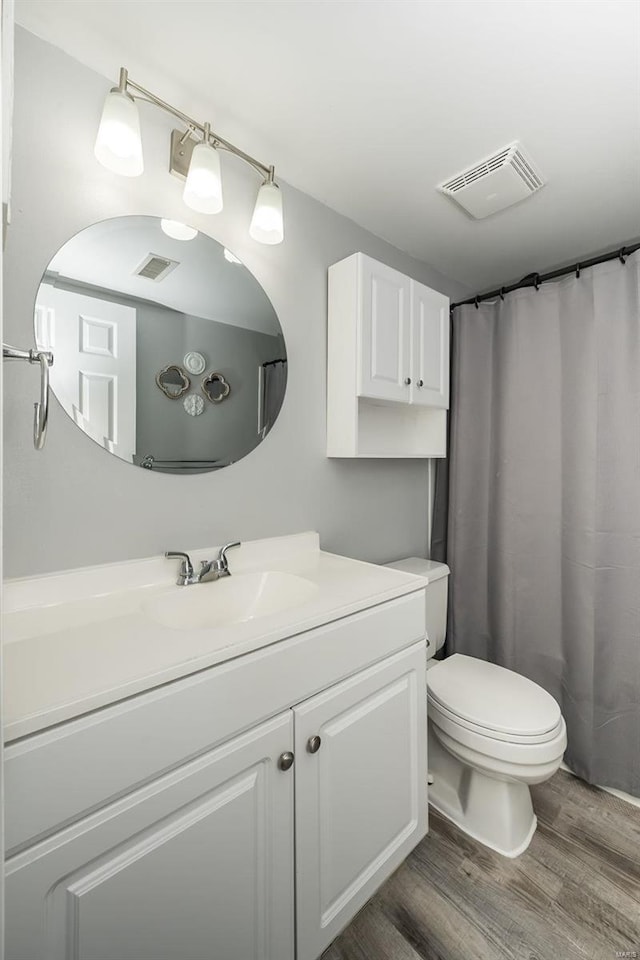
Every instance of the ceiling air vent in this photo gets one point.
(154, 267)
(506, 177)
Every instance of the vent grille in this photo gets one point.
(154, 267)
(512, 156)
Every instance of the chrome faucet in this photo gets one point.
(209, 569)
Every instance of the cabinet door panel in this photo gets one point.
(196, 866)
(361, 802)
(429, 347)
(384, 341)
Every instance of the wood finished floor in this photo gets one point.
(574, 894)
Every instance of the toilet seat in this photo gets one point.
(438, 710)
(492, 702)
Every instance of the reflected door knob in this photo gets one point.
(285, 760)
(407, 380)
(421, 383)
(313, 744)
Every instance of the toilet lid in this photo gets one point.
(492, 697)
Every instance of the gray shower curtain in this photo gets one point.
(544, 503)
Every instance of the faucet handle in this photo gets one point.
(186, 569)
(222, 556)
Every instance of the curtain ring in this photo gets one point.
(577, 271)
(621, 255)
(536, 281)
(477, 304)
(502, 293)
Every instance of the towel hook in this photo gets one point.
(40, 409)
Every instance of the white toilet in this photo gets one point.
(491, 734)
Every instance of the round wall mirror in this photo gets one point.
(143, 327)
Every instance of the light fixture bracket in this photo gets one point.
(180, 154)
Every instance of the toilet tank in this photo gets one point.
(436, 595)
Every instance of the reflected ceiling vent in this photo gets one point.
(506, 177)
(154, 267)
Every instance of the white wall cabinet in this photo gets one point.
(201, 860)
(388, 363)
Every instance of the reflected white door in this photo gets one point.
(94, 369)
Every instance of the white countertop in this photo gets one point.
(79, 640)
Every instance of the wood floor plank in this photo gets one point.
(573, 895)
(371, 936)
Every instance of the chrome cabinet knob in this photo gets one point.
(407, 380)
(285, 760)
(313, 744)
(421, 383)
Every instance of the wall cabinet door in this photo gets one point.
(384, 333)
(197, 865)
(429, 347)
(361, 801)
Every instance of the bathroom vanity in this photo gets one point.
(227, 770)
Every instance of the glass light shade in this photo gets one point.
(118, 144)
(267, 223)
(203, 189)
(230, 256)
(177, 230)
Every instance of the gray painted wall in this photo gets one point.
(74, 504)
(224, 431)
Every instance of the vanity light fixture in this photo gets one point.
(195, 155)
(203, 189)
(266, 222)
(177, 230)
(118, 143)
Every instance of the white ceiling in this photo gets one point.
(368, 104)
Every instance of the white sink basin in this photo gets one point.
(230, 600)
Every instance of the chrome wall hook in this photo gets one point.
(40, 409)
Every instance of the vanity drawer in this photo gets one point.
(55, 777)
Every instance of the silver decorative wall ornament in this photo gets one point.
(173, 381)
(193, 404)
(215, 387)
(194, 362)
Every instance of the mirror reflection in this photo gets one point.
(138, 320)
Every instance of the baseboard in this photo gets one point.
(634, 801)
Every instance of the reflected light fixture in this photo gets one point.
(177, 230)
(231, 257)
(195, 155)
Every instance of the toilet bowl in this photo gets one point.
(492, 733)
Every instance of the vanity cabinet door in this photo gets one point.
(429, 347)
(384, 332)
(197, 865)
(361, 791)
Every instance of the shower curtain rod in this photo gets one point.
(535, 279)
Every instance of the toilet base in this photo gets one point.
(498, 813)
